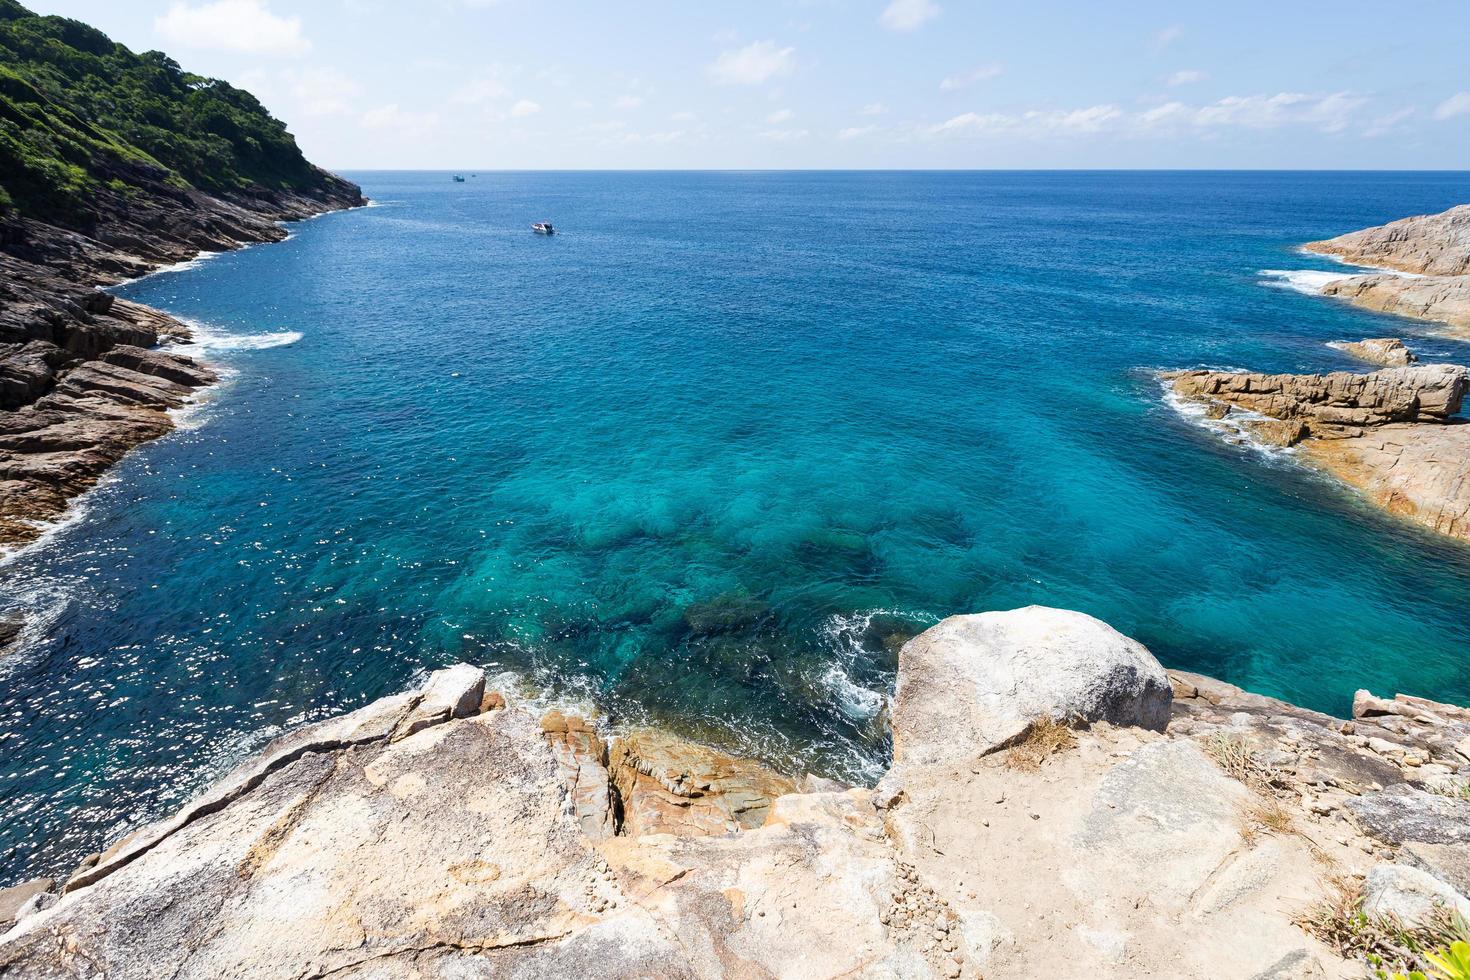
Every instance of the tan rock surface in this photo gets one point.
(437, 834)
(1390, 433)
(1383, 351)
(668, 785)
(1445, 299)
(1427, 244)
(1338, 404)
(1421, 472)
(1435, 247)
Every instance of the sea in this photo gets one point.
(706, 458)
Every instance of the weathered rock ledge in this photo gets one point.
(80, 381)
(1183, 832)
(1391, 434)
(1434, 249)
(1383, 351)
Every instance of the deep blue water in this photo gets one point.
(707, 457)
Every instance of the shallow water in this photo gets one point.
(707, 457)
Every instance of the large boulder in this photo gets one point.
(974, 684)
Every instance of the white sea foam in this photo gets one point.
(1308, 281)
(1234, 428)
(207, 339)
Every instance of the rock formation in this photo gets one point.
(79, 384)
(1434, 249)
(1445, 299)
(1384, 351)
(440, 833)
(1391, 433)
(1427, 244)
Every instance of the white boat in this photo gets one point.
(543, 228)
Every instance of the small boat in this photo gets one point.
(458, 179)
(543, 228)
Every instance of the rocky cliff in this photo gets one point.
(112, 164)
(1434, 249)
(1059, 806)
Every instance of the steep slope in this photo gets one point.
(112, 163)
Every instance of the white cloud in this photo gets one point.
(390, 116)
(1329, 113)
(873, 109)
(524, 108)
(908, 15)
(1388, 123)
(780, 116)
(492, 83)
(684, 115)
(322, 91)
(753, 64)
(785, 135)
(1324, 113)
(965, 79)
(1037, 122)
(1167, 36)
(1456, 105)
(853, 132)
(1187, 76)
(232, 25)
(628, 101)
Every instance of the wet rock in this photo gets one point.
(733, 612)
(974, 684)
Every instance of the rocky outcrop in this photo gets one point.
(441, 833)
(1419, 472)
(1384, 351)
(1445, 299)
(973, 684)
(1337, 405)
(1430, 244)
(80, 382)
(1434, 248)
(1390, 434)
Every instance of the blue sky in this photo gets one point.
(833, 83)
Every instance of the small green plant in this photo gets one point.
(1452, 963)
(1455, 789)
(1392, 949)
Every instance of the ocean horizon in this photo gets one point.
(706, 458)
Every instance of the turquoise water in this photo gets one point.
(707, 457)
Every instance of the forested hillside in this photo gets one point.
(82, 116)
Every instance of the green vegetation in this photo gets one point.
(1436, 950)
(81, 116)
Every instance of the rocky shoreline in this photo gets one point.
(1393, 434)
(1059, 805)
(81, 380)
(1435, 252)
